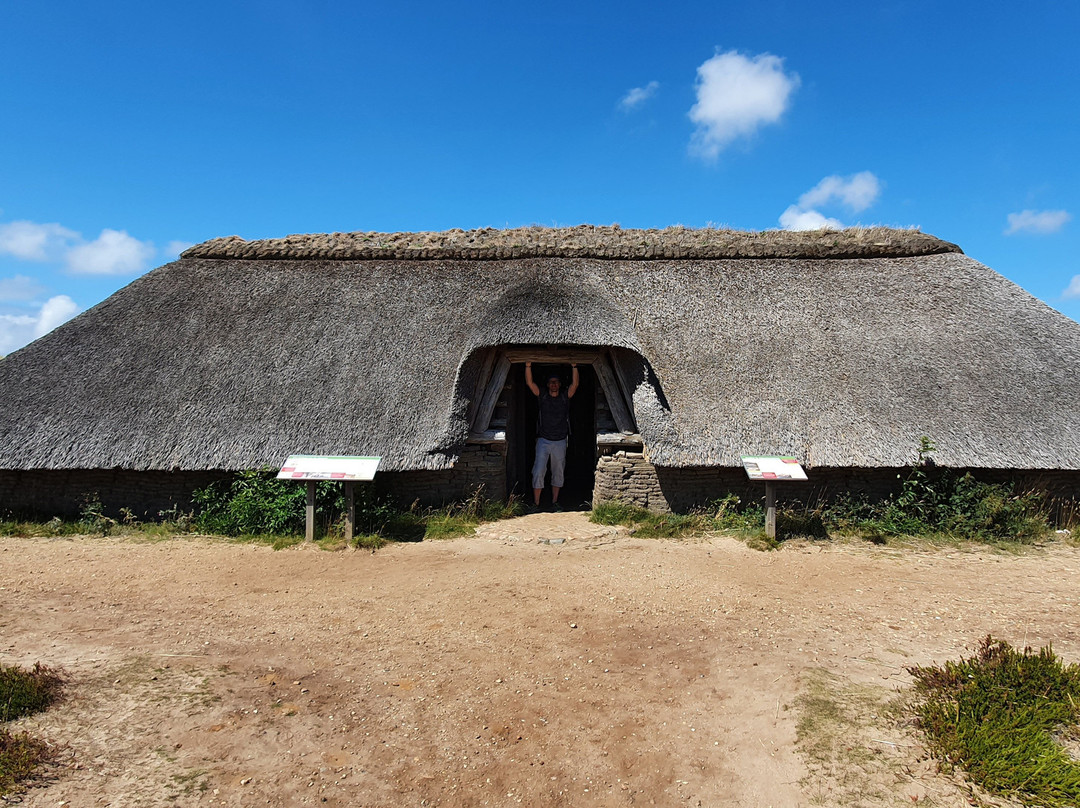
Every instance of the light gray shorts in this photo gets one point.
(555, 451)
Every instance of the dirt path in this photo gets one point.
(546, 661)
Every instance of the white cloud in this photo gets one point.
(794, 218)
(30, 241)
(114, 252)
(857, 192)
(56, 311)
(1037, 221)
(19, 287)
(16, 330)
(1072, 291)
(638, 96)
(174, 248)
(736, 95)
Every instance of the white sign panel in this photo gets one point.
(773, 468)
(322, 467)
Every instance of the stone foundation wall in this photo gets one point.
(46, 493)
(629, 477)
(479, 466)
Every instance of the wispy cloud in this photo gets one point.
(114, 252)
(19, 288)
(855, 193)
(1072, 291)
(18, 329)
(31, 241)
(795, 218)
(1039, 222)
(638, 95)
(736, 95)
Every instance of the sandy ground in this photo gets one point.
(545, 661)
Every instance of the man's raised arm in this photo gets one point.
(529, 379)
(574, 379)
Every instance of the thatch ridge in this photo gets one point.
(583, 241)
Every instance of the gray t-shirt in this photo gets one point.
(554, 422)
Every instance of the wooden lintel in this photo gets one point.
(616, 403)
(618, 439)
(490, 436)
(491, 394)
(555, 356)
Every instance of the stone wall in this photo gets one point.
(480, 466)
(47, 493)
(629, 477)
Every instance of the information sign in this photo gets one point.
(773, 468)
(323, 467)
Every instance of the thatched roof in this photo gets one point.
(229, 363)
(583, 241)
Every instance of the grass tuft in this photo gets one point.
(24, 692)
(20, 757)
(998, 716)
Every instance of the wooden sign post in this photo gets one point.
(772, 469)
(347, 469)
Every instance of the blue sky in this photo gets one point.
(132, 129)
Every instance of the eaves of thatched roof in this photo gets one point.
(236, 362)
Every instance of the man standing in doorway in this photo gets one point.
(552, 431)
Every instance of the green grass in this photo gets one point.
(24, 692)
(724, 515)
(998, 715)
(20, 757)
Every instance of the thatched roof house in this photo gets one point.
(842, 348)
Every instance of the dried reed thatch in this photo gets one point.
(584, 241)
(232, 363)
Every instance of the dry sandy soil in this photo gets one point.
(545, 661)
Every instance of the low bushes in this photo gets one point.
(999, 716)
(24, 693)
(932, 501)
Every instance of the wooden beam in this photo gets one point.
(616, 403)
(491, 436)
(553, 356)
(481, 383)
(491, 395)
(620, 377)
(617, 439)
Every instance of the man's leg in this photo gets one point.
(558, 467)
(539, 469)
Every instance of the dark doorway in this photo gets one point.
(580, 448)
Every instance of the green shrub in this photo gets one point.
(995, 716)
(27, 692)
(20, 756)
(256, 502)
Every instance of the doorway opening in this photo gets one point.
(521, 424)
